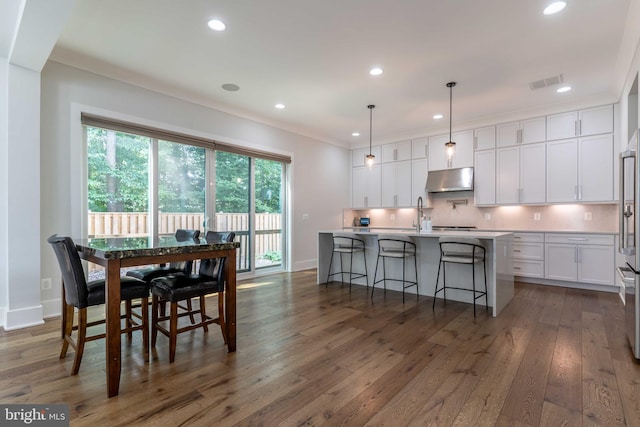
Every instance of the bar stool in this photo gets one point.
(461, 250)
(347, 244)
(396, 247)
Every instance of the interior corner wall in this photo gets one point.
(22, 198)
(320, 172)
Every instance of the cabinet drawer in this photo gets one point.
(527, 268)
(580, 239)
(532, 251)
(528, 237)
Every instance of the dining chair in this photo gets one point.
(180, 287)
(78, 294)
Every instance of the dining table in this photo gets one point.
(114, 253)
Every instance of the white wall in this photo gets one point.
(320, 171)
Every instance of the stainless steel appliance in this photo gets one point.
(629, 241)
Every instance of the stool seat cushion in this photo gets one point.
(347, 249)
(130, 288)
(462, 258)
(178, 287)
(396, 253)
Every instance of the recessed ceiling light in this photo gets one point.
(216, 25)
(355, 134)
(438, 116)
(231, 87)
(279, 106)
(563, 89)
(554, 7)
(375, 71)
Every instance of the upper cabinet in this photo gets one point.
(359, 156)
(396, 152)
(485, 178)
(484, 138)
(590, 121)
(580, 169)
(522, 132)
(420, 148)
(365, 187)
(463, 156)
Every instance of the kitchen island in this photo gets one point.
(499, 269)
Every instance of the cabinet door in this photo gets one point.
(374, 196)
(532, 173)
(507, 134)
(560, 262)
(389, 185)
(420, 148)
(595, 168)
(358, 187)
(562, 171)
(596, 264)
(437, 152)
(464, 149)
(396, 152)
(485, 178)
(533, 130)
(403, 184)
(597, 120)
(485, 138)
(358, 157)
(562, 126)
(507, 175)
(419, 169)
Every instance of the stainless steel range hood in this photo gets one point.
(441, 181)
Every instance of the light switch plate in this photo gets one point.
(536, 216)
(587, 216)
(487, 216)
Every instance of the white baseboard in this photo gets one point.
(23, 318)
(51, 308)
(304, 265)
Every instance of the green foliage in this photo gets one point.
(273, 256)
(118, 177)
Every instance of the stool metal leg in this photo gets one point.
(329, 273)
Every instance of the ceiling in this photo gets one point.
(315, 58)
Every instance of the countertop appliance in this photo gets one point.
(629, 241)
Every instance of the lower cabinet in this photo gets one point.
(528, 254)
(584, 258)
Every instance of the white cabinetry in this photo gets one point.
(365, 187)
(398, 151)
(419, 169)
(485, 178)
(522, 132)
(420, 148)
(590, 121)
(463, 156)
(484, 138)
(359, 156)
(528, 254)
(585, 258)
(580, 169)
(396, 184)
(520, 176)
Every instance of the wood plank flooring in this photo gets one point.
(312, 355)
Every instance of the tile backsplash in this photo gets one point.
(449, 209)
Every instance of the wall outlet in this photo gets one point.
(45, 284)
(392, 217)
(487, 216)
(536, 216)
(305, 217)
(587, 216)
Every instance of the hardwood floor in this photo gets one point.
(310, 355)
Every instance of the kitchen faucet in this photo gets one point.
(420, 212)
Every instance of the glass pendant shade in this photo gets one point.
(450, 146)
(370, 158)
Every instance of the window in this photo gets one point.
(142, 185)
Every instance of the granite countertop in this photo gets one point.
(496, 230)
(132, 247)
(478, 234)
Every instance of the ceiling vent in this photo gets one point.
(549, 81)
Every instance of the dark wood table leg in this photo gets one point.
(112, 300)
(230, 300)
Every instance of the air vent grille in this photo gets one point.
(549, 81)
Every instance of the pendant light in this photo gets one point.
(370, 157)
(450, 146)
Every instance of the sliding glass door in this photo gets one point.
(141, 186)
